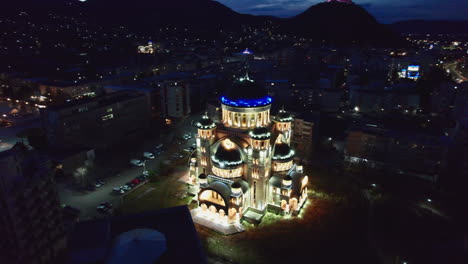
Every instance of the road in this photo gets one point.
(87, 201)
(453, 70)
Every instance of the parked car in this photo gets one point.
(100, 181)
(145, 173)
(97, 185)
(104, 207)
(118, 190)
(159, 146)
(141, 178)
(135, 181)
(148, 155)
(130, 184)
(126, 188)
(136, 162)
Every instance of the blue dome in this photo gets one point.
(246, 93)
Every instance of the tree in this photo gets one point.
(80, 175)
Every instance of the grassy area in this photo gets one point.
(331, 229)
(162, 193)
(334, 221)
(325, 227)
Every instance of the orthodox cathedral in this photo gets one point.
(245, 162)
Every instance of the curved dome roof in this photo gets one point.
(260, 133)
(205, 123)
(282, 151)
(283, 116)
(246, 93)
(221, 188)
(227, 154)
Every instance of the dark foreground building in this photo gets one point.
(31, 227)
(98, 123)
(94, 242)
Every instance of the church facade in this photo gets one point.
(245, 162)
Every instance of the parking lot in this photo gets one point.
(87, 201)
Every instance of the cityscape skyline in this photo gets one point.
(182, 131)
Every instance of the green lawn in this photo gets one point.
(163, 193)
(331, 229)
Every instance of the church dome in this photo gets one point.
(283, 116)
(260, 133)
(227, 154)
(282, 151)
(246, 93)
(205, 123)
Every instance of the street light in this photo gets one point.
(429, 200)
(144, 166)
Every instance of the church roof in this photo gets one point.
(283, 116)
(246, 93)
(282, 151)
(227, 154)
(260, 133)
(205, 123)
(221, 188)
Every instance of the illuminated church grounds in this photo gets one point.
(244, 166)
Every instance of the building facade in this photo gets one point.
(245, 161)
(99, 122)
(175, 99)
(303, 132)
(419, 155)
(31, 219)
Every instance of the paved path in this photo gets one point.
(225, 229)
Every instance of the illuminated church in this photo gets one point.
(244, 162)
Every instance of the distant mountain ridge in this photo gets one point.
(334, 21)
(431, 26)
(341, 21)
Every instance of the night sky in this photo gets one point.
(384, 10)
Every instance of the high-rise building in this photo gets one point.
(245, 162)
(175, 99)
(303, 132)
(31, 224)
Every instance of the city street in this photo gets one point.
(87, 201)
(452, 67)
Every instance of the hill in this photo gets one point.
(333, 21)
(342, 22)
